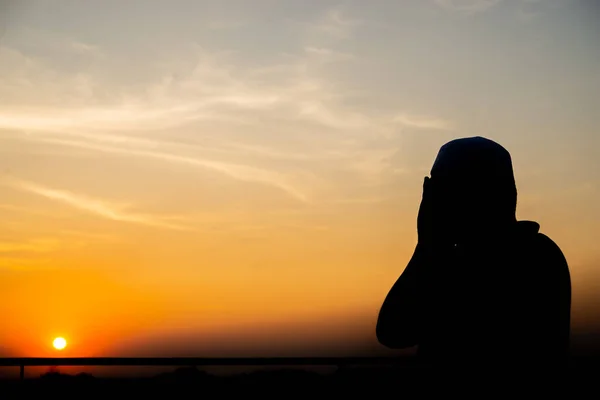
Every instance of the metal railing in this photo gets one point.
(194, 361)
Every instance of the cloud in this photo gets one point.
(202, 105)
(59, 43)
(423, 122)
(236, 171)
(225, 24)
(85, 49)
(545, 2)
(25, 210)
(213, 90)
(328, 55)
(102, 208)
(467, 6)
(217, 88)
(333, 24)
(529, 10)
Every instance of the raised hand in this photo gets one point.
(425, 216)
(433, 223)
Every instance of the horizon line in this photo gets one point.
(191, 361)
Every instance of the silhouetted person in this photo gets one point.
(481, 288)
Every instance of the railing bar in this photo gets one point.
(195, 361)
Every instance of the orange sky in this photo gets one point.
(246, 179)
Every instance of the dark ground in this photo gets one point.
(295, 383)
(189, 381)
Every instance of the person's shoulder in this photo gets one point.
(547, 245)
(530, 235)
(550, 256)
(534, 243)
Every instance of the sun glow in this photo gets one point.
(59, 343)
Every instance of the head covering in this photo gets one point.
(481, 170)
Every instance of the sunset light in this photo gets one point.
(59, 343)
(244, 178)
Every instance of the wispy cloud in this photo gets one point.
(328, 55)
(211, 100)
(236, 171)
(60, 43)
(217, 88)
(26, 210)
(171, 103)
(334, 24)
(529, 10)
(467, 6)
(422, 122)
(102, 208)
(219, 24)
(526, 10)
(213, 90)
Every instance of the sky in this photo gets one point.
(190, 178)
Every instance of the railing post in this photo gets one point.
(22, 372)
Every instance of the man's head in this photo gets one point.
(474, 185)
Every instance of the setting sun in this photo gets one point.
(59, 343)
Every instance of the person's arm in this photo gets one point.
(398, 323)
